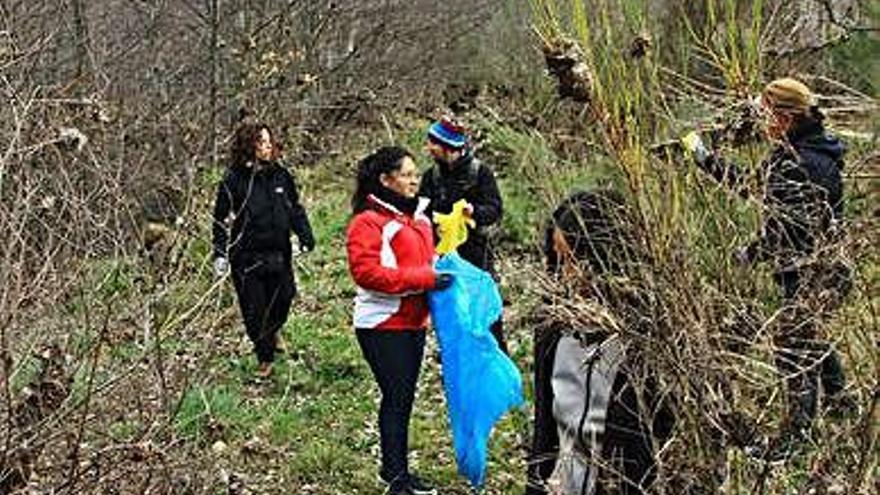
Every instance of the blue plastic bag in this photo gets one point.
(480, 381)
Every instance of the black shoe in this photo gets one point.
(411, 485)
(404, 490)
(420, 486)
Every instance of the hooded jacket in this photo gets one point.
(264, 207)
(803, 192)
(390, 257)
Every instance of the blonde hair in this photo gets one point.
(789, 95)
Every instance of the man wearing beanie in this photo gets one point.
(802, 208)
(457, 175)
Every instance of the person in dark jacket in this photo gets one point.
(803, 206)
(595, 429)
(259, 197)
(458, 175)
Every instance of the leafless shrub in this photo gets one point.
(695, 323)
(114, 122)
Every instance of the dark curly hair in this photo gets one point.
(245, 140)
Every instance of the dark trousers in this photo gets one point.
(395, 357)
(805, 360)
(265, 292)
(477, 252)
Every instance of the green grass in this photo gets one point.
(317, 416)
(319, 410)
(125, 430)
(215, 413)
(312, 428)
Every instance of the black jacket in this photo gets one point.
(627, 439)
(264, 207)
(803, 193)
(471, 180)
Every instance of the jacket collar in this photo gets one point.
(458, 166)
(808, 128)
(251, 167)
(418, 214)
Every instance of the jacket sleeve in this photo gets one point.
(488, 207)
(364, 247)
(222, 207)
(301, 226)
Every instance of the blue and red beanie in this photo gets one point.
(448, 134)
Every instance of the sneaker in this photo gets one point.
(420, 486)
(404, 490)
(413, 485)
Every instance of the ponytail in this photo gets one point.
(815, 113)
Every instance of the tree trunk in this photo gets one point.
(81, 40)
(215, 76)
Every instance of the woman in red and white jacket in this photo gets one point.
(390, 256)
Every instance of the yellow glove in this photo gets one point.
(693, 144)
(452, 227)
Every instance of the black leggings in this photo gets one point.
(395, 357)
(264, 297)
(805, 359)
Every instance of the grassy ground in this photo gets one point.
(315, 422)
(312, 427)
(189, 407)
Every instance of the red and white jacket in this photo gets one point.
(390, 256)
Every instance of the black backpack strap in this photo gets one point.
(473, 175)
(439, 187)
(471, 183)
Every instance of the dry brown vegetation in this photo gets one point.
(113, 131)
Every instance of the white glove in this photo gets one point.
(693, 144)
(741, 257)
(221, 267)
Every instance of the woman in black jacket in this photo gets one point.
(259, 198)
(803, 206)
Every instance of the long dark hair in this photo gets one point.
(384, 160)
(244, 143)
(598, 228)
(602, 233)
